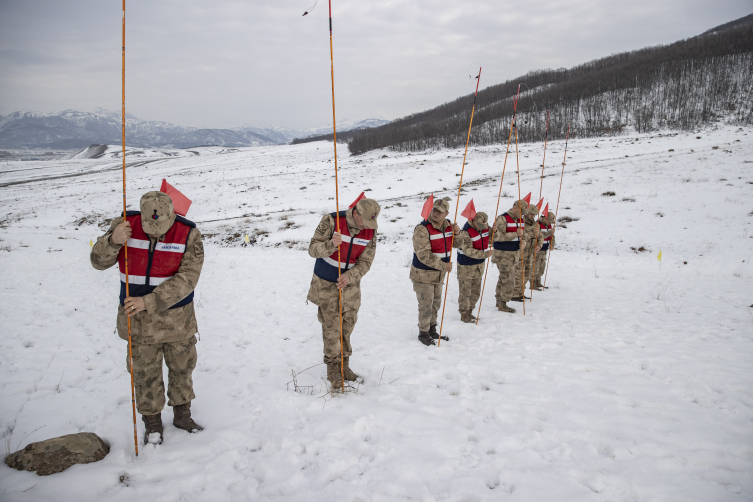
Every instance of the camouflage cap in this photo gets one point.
(532, 209)
(481, 220)
(157, 214)
(551, 216)
(442, 205)
(520, 203)
(369, 211)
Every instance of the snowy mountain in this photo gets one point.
(629, 379)
(70, 129)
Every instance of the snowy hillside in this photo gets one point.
(622, 382)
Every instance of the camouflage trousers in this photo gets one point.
(522, 277)
(470, 290)
(540, 268)
(180, 358)
(429, 299)
(330, 320)
(508, 263)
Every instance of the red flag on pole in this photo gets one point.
(362, 196)
(527, 198)
(427, 207)
(469, 212)
(181, 203)
(546, 211)
(541, 203)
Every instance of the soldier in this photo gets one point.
(432, 249)
(507, 243)
(546, 224)
(356, 242)
(165, 256)
(530, 233)
(472, 254)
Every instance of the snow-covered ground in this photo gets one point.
(621, 382)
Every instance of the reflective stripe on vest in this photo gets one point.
(480, 241)
(512, 227)
(148, 269)
(441, 245)
(350, 250)
(545, 245)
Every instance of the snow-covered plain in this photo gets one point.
(621, 382)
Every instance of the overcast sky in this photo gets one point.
(223, 63)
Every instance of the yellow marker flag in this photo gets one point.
(658, 257)
(246, 239)
(91, 243)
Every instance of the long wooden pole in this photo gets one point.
(499, 196)
(557, 211)
(541, 187)
(125, 245)
(460, 187)
(520, 212)
(337, 201)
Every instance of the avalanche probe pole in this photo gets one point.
(558, 202)
(337, 200)
(520, 212)
(541, 187)
(460, 187)
(496, 211)
(125, 247)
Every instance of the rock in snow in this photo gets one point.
(57, 454)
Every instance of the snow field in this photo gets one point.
(621, 382)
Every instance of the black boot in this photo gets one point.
(425, 338)
(434, 334)
(152, 425)
(182, 418)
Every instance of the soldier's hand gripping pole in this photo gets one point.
(460, 187)
(541, 186)
(557, 211)
(125, 245)
(337, 199)
(499, 196)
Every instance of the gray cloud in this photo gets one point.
(218, 64)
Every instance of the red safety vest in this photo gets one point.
(148, 269)
(441, 244)
(512, 227)
(480, 241)
(350, 249)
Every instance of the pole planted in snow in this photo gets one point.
(125, 245)
(460, 187)
(520, 212)
(541, 187)
(499, 196)
(557, 211)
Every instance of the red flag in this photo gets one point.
(527, 198)
(362, 196)
(469, 212)
(427, 207)
(541, 202)
(546, 211)
(181, 203)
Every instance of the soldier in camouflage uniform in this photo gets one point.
(433, 240)
(543, 249)
(165, 256)
(356, 242)
(530, 233)
(507, 244)
(472, 255)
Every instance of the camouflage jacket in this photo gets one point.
(466, 245)
(158, 323)
(324, 293)
(422, 248)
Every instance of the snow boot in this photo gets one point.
(467, 316)
(350, 376)
(152, 425)
(502, 307)
(334, 376)
(520, 298)
(425, 338)
(182, 418)
(434, 334)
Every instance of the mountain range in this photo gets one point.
(71, 129)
